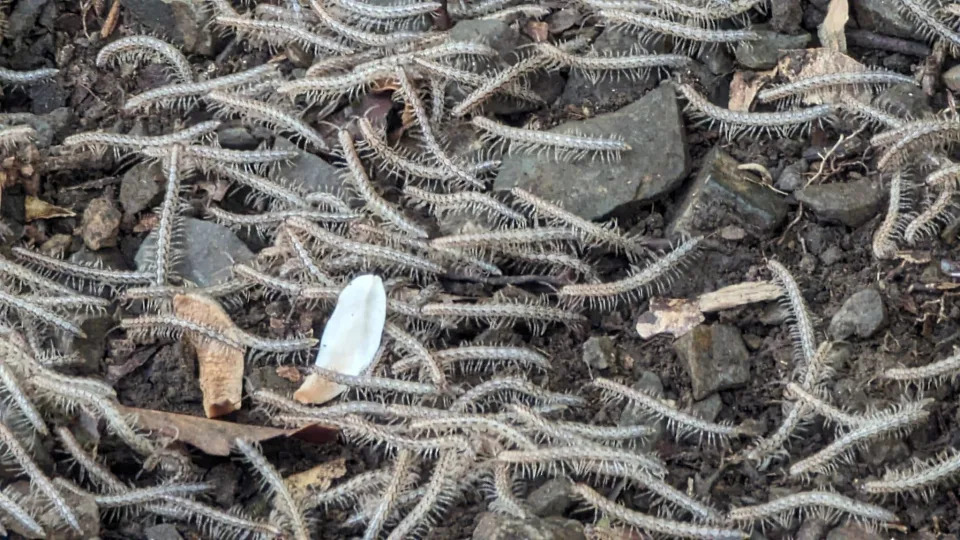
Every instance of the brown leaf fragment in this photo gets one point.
(744, 87)
(221, 366)
(675, 316)
(738, 295)
(290, 373)
(318, 478)
(537, 30)
(815, 62)
(830, 30)
(39, 209)
(215, 437)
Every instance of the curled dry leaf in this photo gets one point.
(810, 63)
(221, 366)
(215, 437)
(35, 209)
(350, 339)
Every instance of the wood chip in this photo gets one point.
(830, 31)
(678, 316)
(221, 366)
(738, 295)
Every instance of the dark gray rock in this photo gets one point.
(791, 179)
(162, 531)
(851, 203)
(505, 40)
(308, 170)
(563, 19)
(237, 138)
(48, 126)
(951, 78)
(656, 165)
(23, 18)
(905, 100)
(722, 195)
(496, 34)
(552, 498)
(184, 21)
(765, 52)
(717, 60)
(884, 17)
(500, 527)
(862, 314)
(140, 187)
(599, 352)
(611, 91)
(708, 409)
(47, 96)
(716, 358)
(786, 15)
(213, 250)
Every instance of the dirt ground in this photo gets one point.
(921, 307)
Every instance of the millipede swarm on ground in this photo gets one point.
(470, 404)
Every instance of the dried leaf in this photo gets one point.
(537, 30)
(675, 316)
(317, 478)
(744, 87)
(350, 339)
(814, 62)
(221, 366)
(831, 31)
(39, 209)
(215, 437)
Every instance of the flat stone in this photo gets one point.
(599, 352)
(48, 126)
(140, 187)
(716, 358)
(791, 179)
(850, 203)
(86, 510)
(23, 18)
(862, 314)
(765, 52)
(500, 527)
(100, 224)
(213, 250)
(656, 164)
(722, 195)
(308, 170)
(883, 17)
(184, 21)
(707, 409)
(553, 498)
(237, 138)
(905, 100)
(611, 91)
(786, 15)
